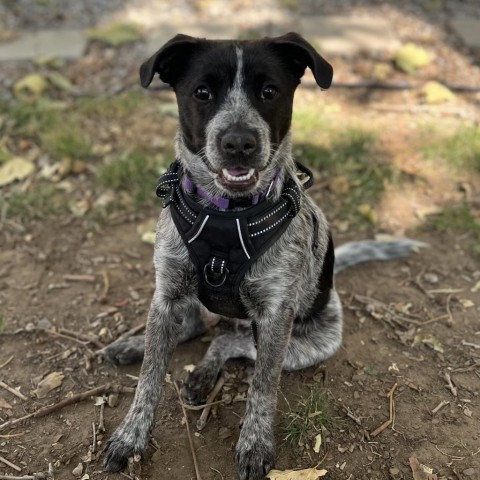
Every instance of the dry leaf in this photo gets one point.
(307, 474)
(146, 230)
(421, 472)
(429, 340)
(318, 443)
(51, 381)
(4, 404)
(15, 169)
(33, 83)
(466, 303)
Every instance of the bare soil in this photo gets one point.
(407, 323)
(377, 352)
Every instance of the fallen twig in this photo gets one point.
(13, 391)
(442, 404)
(94, 438)
(101, 422)
(450, 384)
(389, 422)
(6, 362)
(130, 333)
(10, 464)
(43, 411)
(80, 278)
(35, 476)
(476, 346)
(106, 285)
(190, 440)
(82, 336)
(202, 421)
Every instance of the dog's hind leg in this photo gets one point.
(316, 337)
(132, 349)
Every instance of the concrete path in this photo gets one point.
(332, 34)
(46, 43)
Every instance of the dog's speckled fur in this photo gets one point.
(278, 290)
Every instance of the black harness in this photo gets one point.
(224, 244)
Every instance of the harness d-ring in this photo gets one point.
(224, 279)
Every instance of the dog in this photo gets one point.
(239, 235)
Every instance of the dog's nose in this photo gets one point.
(239, 143)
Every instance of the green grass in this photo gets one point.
(55, 126)
(462, 149)
(306, 418)
(41, 202)
(112, 108)
(134, 175)
(458, 219)
(350, 154)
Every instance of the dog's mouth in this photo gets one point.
(238, 178)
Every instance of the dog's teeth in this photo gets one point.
(241, 178)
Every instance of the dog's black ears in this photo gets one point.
(169, 60)
(301, 54)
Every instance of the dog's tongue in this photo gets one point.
(237, 172)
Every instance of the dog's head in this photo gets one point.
(235, 103)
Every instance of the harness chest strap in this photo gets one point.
(224, 244)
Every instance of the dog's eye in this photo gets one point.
(269, 92)
(202, 93)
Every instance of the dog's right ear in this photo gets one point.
(169, 60)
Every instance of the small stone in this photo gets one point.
(112, 400)
(394, 471)
(78, 470)
(469, 472)
(431, 278)
(224, 433)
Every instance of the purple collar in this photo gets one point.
(225, 202)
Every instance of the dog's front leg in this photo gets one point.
(161, 337)
(255, 451)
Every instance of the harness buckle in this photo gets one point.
(215, 272)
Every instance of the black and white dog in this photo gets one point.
(240, 235)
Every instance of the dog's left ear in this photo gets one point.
(301, 54)
(169, 60)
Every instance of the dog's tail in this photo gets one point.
(353, 253)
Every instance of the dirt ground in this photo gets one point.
(411, 328)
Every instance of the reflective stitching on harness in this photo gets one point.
(186, 207)
(221, 266)
(269, 215)
(200, 229)
(241, 239)
(213, 263)
(294, 197)
(256, 234)
(181, 213)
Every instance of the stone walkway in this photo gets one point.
(344, 35)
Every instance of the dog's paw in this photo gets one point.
(254, 461)
(117, 451)
(125, 352)
(198, 385)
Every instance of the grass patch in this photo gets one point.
(307, 417)
(458, 219)
(67, 141)
(56, 127)
(42, 202)
(134, 175)
(112, 108)
(462, 149)
(355, 170)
